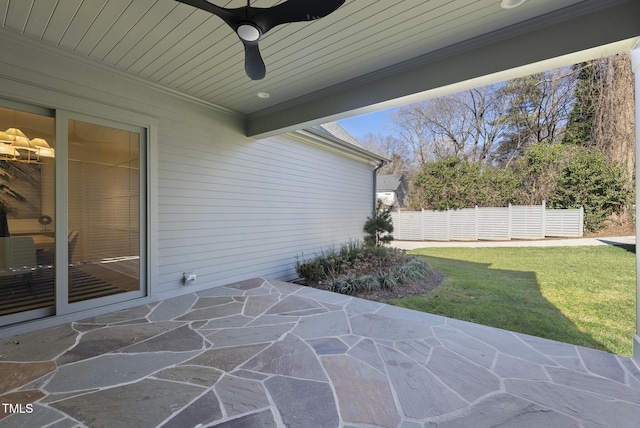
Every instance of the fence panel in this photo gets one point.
(493, 223)
(564, 222)
(527, 222)
(408, 225)
(436, 226)
(513, 222)
(462, 224)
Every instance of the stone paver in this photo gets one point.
(263, 353)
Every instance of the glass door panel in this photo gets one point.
(27, 214)
(104, 211)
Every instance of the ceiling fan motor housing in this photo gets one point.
(248, 31)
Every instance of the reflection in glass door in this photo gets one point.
(96, 169)
(104, 211)
(27, 216)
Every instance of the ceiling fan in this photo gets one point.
(251, 23)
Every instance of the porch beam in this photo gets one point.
(568, 36)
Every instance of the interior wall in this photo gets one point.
(223, 206)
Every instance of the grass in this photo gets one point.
(579, 295)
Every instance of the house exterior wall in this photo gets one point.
(220, 205)
(238, 209)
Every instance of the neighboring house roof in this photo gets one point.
(392, 189)
(338, 131)
(388, 183)
(339, 137)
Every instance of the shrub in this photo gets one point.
(357, 268)
(409, 269)
(566, 176)
(311, 270)
(388, 280)
(330, 263)
(379, 226)
(452, 183)
(588, 180)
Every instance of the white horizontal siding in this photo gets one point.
(244, 209)
(224, 206)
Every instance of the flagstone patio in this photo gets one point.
(264, 353)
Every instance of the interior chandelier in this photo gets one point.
(15, 146)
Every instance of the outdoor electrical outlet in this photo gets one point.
(188, 277)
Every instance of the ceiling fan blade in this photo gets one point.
(251, 23)
(231, 16)
(253, 63)
(292, 11)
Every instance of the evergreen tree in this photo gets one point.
(580, 122)
(379, 226)
(524, 95)
(537, 111)
(590, 181)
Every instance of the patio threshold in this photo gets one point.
(266, 353)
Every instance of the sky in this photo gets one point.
(377, 122)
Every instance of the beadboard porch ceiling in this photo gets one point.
(366, 53)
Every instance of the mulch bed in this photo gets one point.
(420, 287)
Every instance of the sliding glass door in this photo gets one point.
(72, 214)
(104, 215)
(27, 212)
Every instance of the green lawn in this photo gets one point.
(579, 295)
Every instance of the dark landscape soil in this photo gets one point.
(627, 229)
(420, 287)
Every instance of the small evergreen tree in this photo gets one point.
(379, 226)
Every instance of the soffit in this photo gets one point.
(190, 51)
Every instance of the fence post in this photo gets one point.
(509, 221)
(581, 221)
(544, 219)
(476, 221)
(448, 224)
(422, 224)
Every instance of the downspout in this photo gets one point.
(375, 175)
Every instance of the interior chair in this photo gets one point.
(18, 257)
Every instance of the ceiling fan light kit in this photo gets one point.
(248, 32)
(511, 4)
(251, 23)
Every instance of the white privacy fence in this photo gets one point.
(468, 224)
